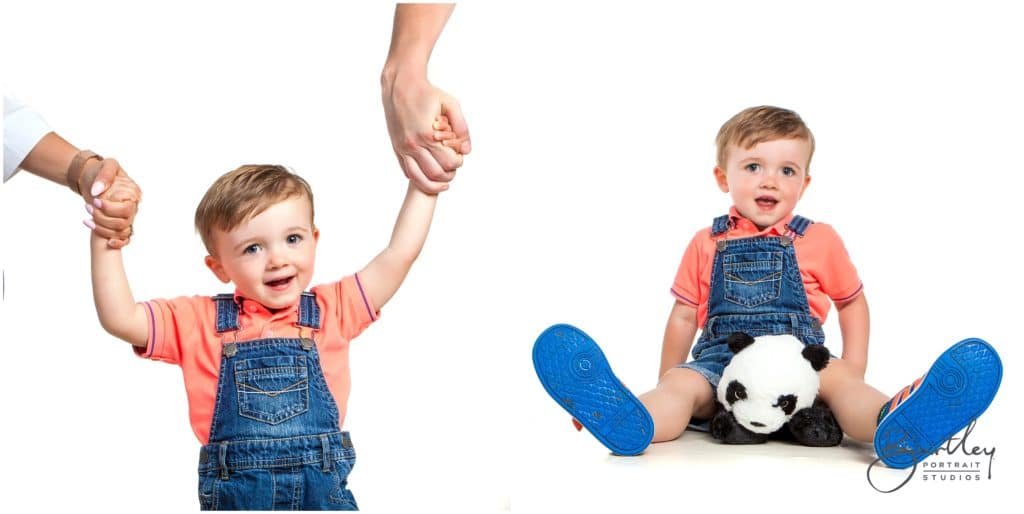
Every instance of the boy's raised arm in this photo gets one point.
(382, 276)
(119, 315)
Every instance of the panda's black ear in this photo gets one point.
(738, 341)
(817, 355)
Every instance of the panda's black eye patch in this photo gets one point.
(735, 391)
(787, 403)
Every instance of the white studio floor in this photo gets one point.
(696, 472)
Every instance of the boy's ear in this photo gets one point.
(807, 182)
(316, 234)
(216, 268)
(720, 178)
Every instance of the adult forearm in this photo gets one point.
(416, 29)
(50, 158)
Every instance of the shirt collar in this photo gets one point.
(745, 226)
(252, 307)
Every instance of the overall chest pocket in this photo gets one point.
(752, 278)
(272, 389)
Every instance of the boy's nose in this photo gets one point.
(275, 260)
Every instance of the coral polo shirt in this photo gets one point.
(183, 331)
(825, 267)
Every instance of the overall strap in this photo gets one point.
(798, 225)
(227, 313)
(721, 225)
(309, 311)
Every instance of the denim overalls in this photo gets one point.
(275, 443)
(755, 288)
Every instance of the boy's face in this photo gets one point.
(270, 256)
(767, 180)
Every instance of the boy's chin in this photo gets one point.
(764, 220)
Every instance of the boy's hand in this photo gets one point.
(445, 134)
(113, 212)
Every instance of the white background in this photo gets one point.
(593, 131)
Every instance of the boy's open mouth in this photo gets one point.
(280, 283)
(766, 202)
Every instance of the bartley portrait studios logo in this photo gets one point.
(959, 460)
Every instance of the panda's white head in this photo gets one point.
(770, 378)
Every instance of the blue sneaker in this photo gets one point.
(924, 415)
(576, 374)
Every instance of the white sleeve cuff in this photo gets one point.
(23, 128)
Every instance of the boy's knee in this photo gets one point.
(683, 378)
(835, 374)
(689, 384)
(838, 368)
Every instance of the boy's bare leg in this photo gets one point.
(680, 394)
(854, 403)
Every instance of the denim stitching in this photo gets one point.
(273, 490)
(770, 278)
(297, 481)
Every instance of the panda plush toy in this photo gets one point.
(770, 389)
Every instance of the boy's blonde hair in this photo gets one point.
(243, 193)
(759, 124)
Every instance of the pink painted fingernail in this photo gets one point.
(97, 203)
(90, 224)
(97, 188)
(89, 209)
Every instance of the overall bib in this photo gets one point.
(755, 288)
(275, 443)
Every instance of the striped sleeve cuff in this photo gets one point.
(850, 296)
(682, 298)
(147, 352)
(366, 301)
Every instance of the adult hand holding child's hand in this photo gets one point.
(112, 199)
(413, 108)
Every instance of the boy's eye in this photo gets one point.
(253, 248)
(789, 172)
(294, 238)
(752, 167)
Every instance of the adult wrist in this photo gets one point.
(77, 166)
(402, 72)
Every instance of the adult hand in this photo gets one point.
(413, 107)
(112, 198)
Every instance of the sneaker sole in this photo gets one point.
(957, 389)
(576, 374)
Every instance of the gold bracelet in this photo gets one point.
(77, 166)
